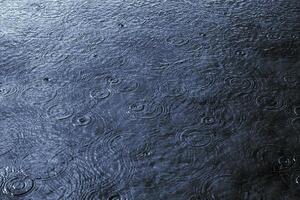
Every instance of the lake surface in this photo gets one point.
(149, 100)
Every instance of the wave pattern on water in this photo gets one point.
(149, 100)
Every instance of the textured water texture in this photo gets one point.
(149, 100)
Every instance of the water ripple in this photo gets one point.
(38, 94)
(54, 163)
(8, 90)
(59, 111)
(109, 160)
(149, 99)
(16, 184)
(196, 138)
(271, 101)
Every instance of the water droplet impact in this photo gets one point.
(145, 110)
(82, 120)
(113, 80)
(59, 112)
(286, 162)
(196, 138)
(99, 94)
(136, 107)
(18, 185)
(202, 34)
(240, 53)
(208, 120)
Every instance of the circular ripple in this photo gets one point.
(67, 186)
(197, 197)
(108, 159)
(19, 185)
(266, 155)
(285, 162)
(39, 94)
(195, 138)
(274, 157)
(173, 88)
(125, 141)
(7, 90)
(127, 85)
(112, 80)
(57, 164)
(145, 110)
(207, 77)
(47, 164)
(120, 84)
(240, 84)
(297, 110)
(271, 101)
(292, 180)
(85, 126)
(142, 152)
(59, 112)
(296, 123)
(220, 187)
(99, 93)
(162, 162)
(82, 120)
(189, 112)
(115, 197)
(93, 194)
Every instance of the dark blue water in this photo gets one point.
(149, 100)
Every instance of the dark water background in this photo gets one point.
(149, 100)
